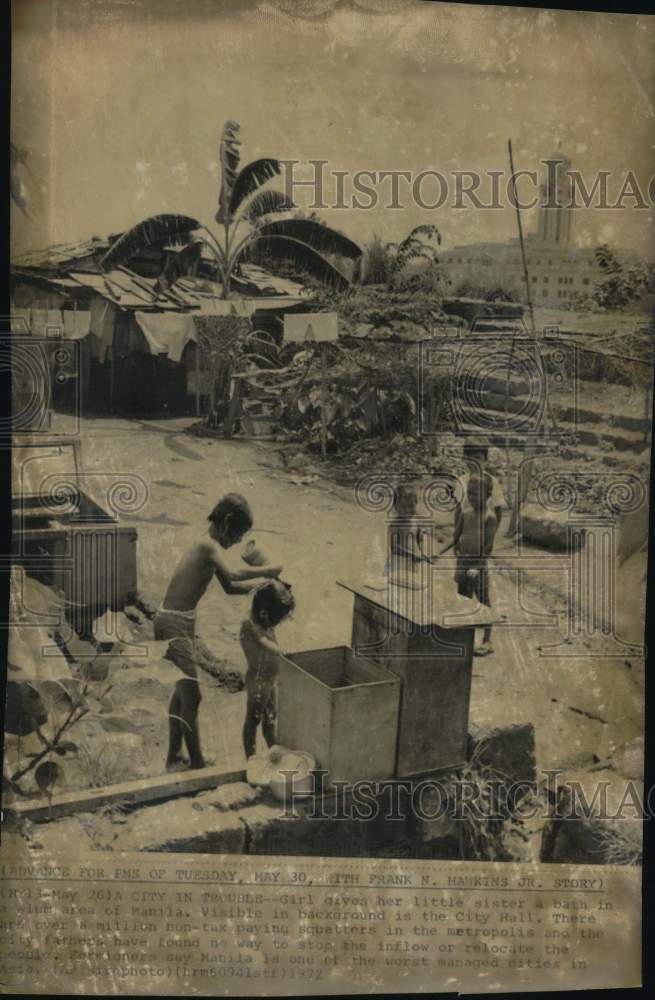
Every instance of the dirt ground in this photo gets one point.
(586, 710)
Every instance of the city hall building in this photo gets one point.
(559, 272)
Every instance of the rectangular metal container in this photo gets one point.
(61, 534)
(435, 669)
(341, 708)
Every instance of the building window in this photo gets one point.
(545, 279)
(585, 281)
(534, 277)
(545, 292)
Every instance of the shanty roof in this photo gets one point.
(73, 267)
(266, 282)
(130, 291)
(58, 256)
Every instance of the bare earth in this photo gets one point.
(585, 710)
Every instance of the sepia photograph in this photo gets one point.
(331, 347)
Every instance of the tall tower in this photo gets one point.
(555, 199)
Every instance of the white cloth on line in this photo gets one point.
(101, 320)
(167, 333)
(76, 323)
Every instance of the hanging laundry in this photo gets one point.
(101, 321)
(76, 323)
(167, 333)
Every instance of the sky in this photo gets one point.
(119, 105)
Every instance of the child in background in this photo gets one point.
(476, 456)
(271, 604)
(407, 540)
(229, 521)
(473, 539)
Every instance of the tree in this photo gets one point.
(419, 247)
(248, 227)
(620, 286)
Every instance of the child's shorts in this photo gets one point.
(476, 587)
(180, 628)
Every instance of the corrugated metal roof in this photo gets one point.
(130, 291)
(266, 282)
(61, 254)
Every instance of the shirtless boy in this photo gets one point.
(473, 539)
(229, 521)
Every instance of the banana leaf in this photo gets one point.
(303, 256)
(153, 232)
(314, 234)
(250, 179)
(229, 157)
(265, 203)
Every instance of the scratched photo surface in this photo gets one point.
(331, 327)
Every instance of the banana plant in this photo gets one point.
(247, 224)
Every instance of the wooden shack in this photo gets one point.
(136, 347)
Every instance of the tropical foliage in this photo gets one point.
(620, 286)
(253, 220)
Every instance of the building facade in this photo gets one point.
(559, 272)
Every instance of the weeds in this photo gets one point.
(100, 765)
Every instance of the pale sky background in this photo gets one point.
(120, 104)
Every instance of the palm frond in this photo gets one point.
(266, 203)
(250, 179)
(315, 235)
(229, 157)
(155, 231)
(305, 257)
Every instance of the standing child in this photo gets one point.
(229, 521)
(271, 604)
(476, 456)
(473, 540)
(407, 540)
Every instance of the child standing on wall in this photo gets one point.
(229, 521)
(473, 540)
(271, 604)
